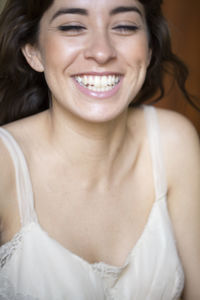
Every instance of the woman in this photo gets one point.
(99, 197)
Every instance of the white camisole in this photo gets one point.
(33, 266)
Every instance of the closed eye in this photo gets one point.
(76, 29)
(126, 28)
(71, 28)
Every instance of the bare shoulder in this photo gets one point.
(22, 132)
(176, 125)
(181, 149)
(5, 165)
(7, 179)
(176, 130)
(24, 129)
(179, 137)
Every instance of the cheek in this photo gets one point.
(58, 53)
(136, 52)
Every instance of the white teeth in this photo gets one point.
(98, 83)
(104, 80)
(90, 81)
(110, 80)
(79, 79)
(85, 80)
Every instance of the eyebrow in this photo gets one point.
(75, 11)
(124, 9)
(84, 12)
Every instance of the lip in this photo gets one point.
(94, 94)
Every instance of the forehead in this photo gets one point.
(94, 6)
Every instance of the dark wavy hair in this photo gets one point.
(24, 92)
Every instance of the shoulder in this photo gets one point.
(26, 131)
(6, 165)
(175, 125)
(175, 129)
(179, 141)
(21, 132)
(182, 158)
(181, 147)
(179, 138)
(7, 179)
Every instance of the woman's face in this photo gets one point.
(94, 54)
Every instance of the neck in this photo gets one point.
(92, 150)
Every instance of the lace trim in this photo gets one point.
(7, 292)
(179, 284)
(8, 249)
(107, 271)
(110, 275)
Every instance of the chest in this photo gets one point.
(98, 226)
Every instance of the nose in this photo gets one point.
(100, 48)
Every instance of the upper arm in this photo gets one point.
(182, 157)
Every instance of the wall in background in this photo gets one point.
(184, 21)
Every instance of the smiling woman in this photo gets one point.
(99, 197)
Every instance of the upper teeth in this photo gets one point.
(98, 81)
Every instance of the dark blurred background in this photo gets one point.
(184, 21)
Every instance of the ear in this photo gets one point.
(33, 57)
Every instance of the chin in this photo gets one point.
(103, 116)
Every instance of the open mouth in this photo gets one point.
(100, 83)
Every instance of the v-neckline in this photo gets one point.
(130, 253)
(106, 266)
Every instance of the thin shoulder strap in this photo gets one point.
(23, 182)
(153, 130)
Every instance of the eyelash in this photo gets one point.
(126, 28)
(77, 28)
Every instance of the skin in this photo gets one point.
(101, 204)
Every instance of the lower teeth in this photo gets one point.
(99, 89)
